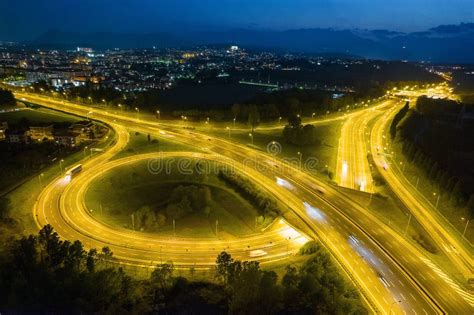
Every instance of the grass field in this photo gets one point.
(41, 115)
(116, 196)
(325, 153)
(139, 144)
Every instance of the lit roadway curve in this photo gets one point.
(353, 170)
(421, 209)
(377, 253)
(62, 205)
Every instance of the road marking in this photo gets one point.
(464, 294)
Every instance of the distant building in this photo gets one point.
(65, 137)
(3, 128)
(85, 129)
(84, 49)
(19, 135)
(40, 133)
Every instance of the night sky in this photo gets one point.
(26, 19)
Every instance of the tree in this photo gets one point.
(236, 109)
(223, 263)
(294, 121)
(106, 255)
(244, 285)
(4, 208)
(91, 258)
(6, 98)
(269, 293)
(163, 275)
(254, 117)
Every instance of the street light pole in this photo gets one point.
(437, 200)
(408, 223)
(251, 137)
(465, 228)
(61, 165)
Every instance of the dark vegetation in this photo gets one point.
(183, 200)
(41, 273)
(6, 98)
(299, 134)
(20, 160)
(397, 118)
(437, 136)
(266, 205)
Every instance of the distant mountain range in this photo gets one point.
(445, 43)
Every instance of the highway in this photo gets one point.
(62, 205)
(423, 211)
(353, 169)
(377, 251)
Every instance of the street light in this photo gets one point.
(234, 121)
(437, 200)
(228, 130)
(301, 156)
(138, 111)
(408, 224)
(465, 227)
(39, 178)
(279, 120)
(61, 164)
(251, 137)
(85, 148)
(312, 115)
(159, 115)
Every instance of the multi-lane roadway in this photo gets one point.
(385, 267)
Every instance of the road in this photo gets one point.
(422, 210)
(331, 216)
(353, 169)
(61, 204)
